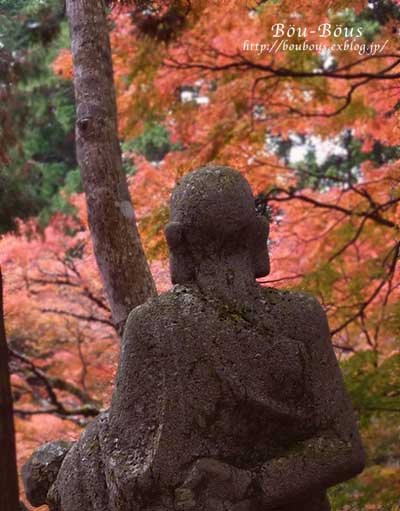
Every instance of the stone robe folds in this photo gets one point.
(199, 380)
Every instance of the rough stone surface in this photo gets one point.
(228, 395)
(41, 470)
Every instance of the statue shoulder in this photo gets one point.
(164, 311)
(304, 324)
(301, 312)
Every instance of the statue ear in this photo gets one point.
(180, 260)
(262, 226)
(259, 248)
(174, 235)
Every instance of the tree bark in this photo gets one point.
(117, 246)
(9, 499)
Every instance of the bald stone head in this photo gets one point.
(212, 213)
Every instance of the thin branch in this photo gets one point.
(89, 318)
(42, 376)
(366, 303)
(85, 411)
(350, 242)
(381, 409)
(348, 349)
(282, 279)
(245, 64)
(50, 383)
(373, 215)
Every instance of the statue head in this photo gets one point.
(212, 214)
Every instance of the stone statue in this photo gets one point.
(228, 394)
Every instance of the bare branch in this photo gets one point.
(350, 242)
(372, 214)
(85, 411)
(89, 318)
(50, 383)
(395, 250)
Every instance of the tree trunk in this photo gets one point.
(9, 499)
(117, 246)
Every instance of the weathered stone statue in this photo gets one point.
(228, 395)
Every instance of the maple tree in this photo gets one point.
(316, 134)
(242, 102)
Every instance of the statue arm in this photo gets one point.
(315, 464)
(312, 465)
(335, 452)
